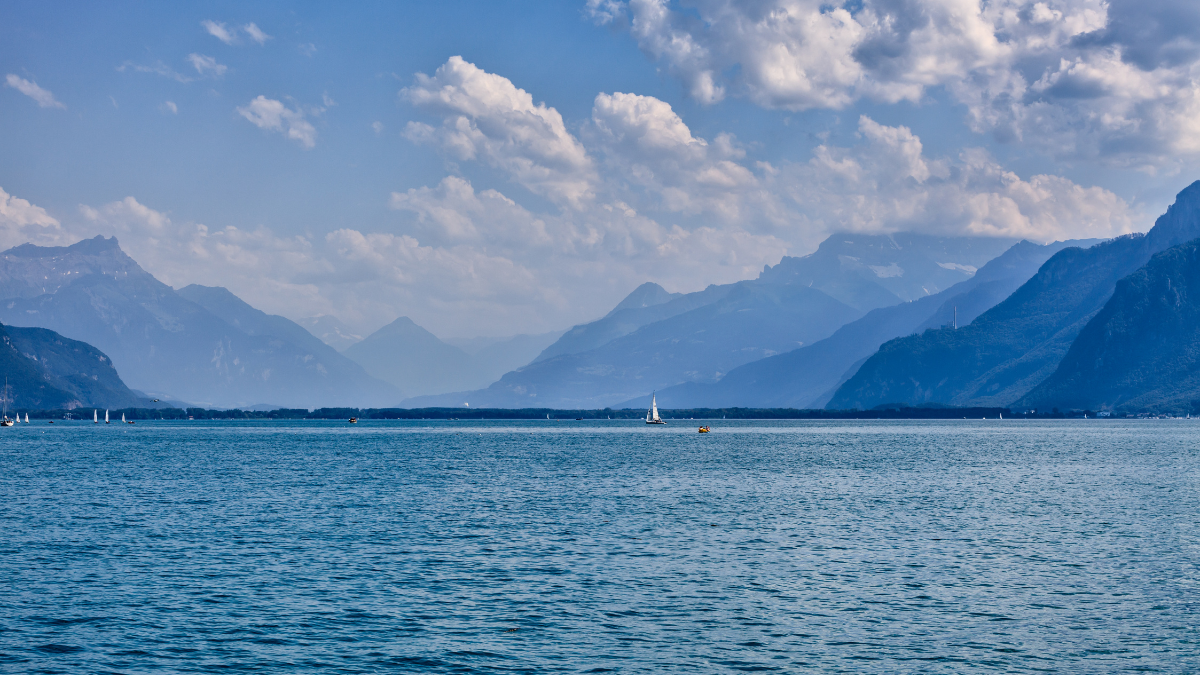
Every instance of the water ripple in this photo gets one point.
(556, 547)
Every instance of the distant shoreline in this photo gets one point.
(552, 414)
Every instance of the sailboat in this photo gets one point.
(5, 422)
(106, 416)
(652, 414)
(95, 417)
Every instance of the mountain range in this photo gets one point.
(203, 346)
(654, 339)
(1142, 350)
(417, 362)
(1015, 346)
(863, 322)
(807, 377)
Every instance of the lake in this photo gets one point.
(600, 546)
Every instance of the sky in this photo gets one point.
(495, 168)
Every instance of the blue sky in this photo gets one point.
(341, 160)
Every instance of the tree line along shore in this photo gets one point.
(140, 414)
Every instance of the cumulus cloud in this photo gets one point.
(1081, 78)
(485, 117)
(206, 65)
(272, 115)
(22, 223)
(476, 275)
(887, 183)
(218, 30)
(661, 197)
(647, 145)
(581, 256)
(43, 97)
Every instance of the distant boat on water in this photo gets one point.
(106, 417)
(652, 414)
(95, 419)
(5, 422)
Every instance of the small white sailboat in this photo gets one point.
(95, 417)
(106, 416)
(122, 418)
(652, 414)
(5, 422)
(26, 418)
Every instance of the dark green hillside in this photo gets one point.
(1142, 351)
(1012, 347)
(28, 386)
(76, 368)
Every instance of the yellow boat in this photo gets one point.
(704, 430)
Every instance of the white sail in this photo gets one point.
(95, 419)
(106, 417)
(654, 407)
(26, 418)
(122, 417)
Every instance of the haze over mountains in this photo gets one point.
(417, 362)
(654, 339)
(807, 377)
(865, 321)
(219, 353)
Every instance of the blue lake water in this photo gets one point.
(548, 547)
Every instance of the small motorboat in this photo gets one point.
(704, 429)
(353, 420)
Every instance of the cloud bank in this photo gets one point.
(629, 194)
(1081, 78)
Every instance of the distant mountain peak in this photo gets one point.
(1181, 222)
(95, 246)
(29, 270)
(648, 294)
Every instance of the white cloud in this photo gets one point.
(22, 222)
(1081, 78)
(43, 97)
(485, 117)
(656, 187)
(256, 33)
(272, 115)
(647, 145)
(218, 30)
(206, 65)
(377, 126)
(169, 106)
(888, 184)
